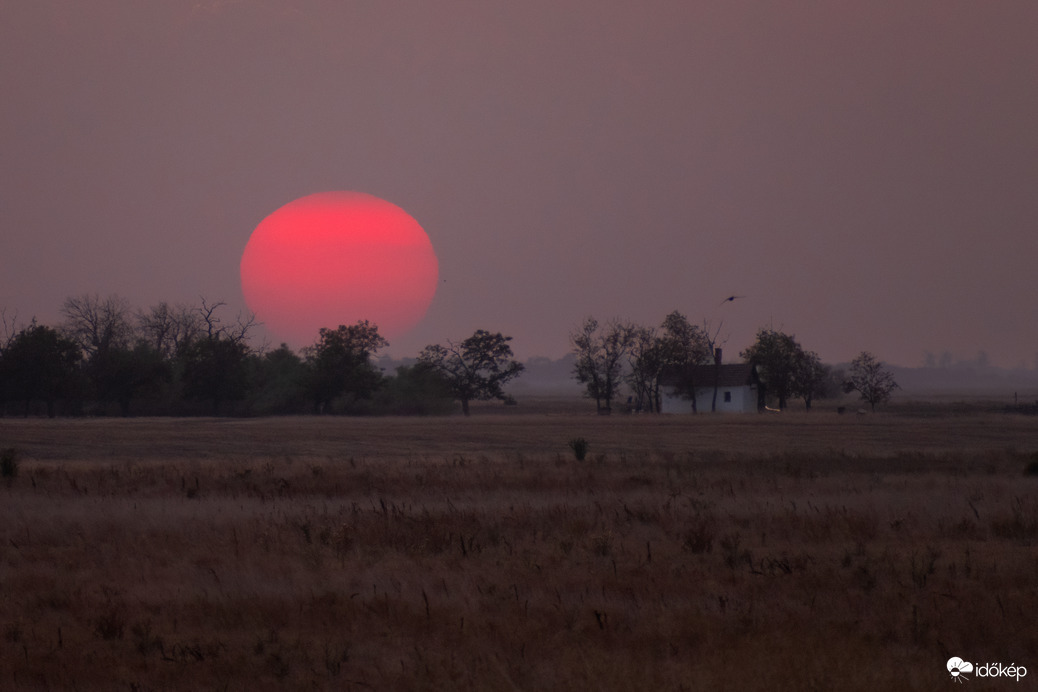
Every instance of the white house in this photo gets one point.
(737, 386)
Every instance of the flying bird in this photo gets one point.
(729, 299)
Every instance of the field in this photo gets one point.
(795, 551)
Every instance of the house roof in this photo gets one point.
(726, 375)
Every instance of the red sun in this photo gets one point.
(335, 258)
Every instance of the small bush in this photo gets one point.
(9, 463)
(579, 446)
(1032, 466)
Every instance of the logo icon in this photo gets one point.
(957, 667)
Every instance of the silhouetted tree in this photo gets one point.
(673, 351)
(476, 369)
(214, 370)
(215, 328)
(98, 325)
(600, 354)
(278, 382)
(777, 356)
(647, 362)
(121, 374)
(38, 364)
(169, 329)
(812, 378)
(685, 347)
(118, 365)
(8, 328)
(868, 377)
(418, 389)
(340, 363)
(215, 363)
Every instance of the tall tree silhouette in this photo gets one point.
(39, 364)
(340, 363)
(475, 369)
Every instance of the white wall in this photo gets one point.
(743, 400)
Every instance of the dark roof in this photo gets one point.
(726, 375)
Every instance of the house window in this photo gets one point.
(727, 397)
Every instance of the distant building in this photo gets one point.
(738, 388)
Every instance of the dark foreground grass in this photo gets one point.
(291, 554)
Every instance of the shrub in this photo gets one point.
(579, 446)
(9, 463)
(1032, 466)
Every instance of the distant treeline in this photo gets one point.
(106, 358)
(677, 355)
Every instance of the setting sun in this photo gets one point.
(334, 258)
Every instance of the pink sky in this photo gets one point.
(865, 173)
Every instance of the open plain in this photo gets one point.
(794, 551)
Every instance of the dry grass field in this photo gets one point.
(800, 552)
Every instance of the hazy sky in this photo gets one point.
(865, 173)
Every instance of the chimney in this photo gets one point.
(717, 356)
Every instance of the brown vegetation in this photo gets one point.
(788, 552)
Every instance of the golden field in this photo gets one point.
(795, 551)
